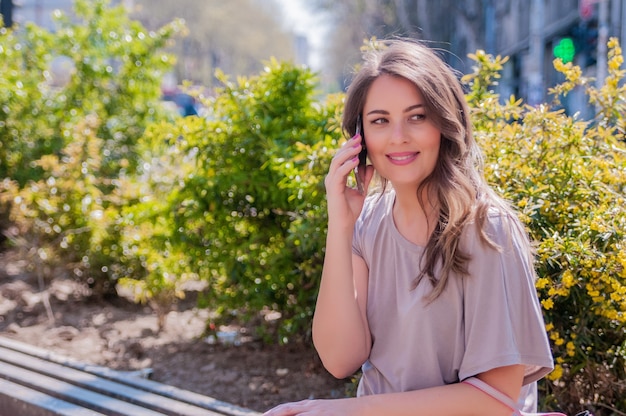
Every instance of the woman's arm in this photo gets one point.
(340, 330)
(458, 399)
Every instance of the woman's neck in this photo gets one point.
(413, 220)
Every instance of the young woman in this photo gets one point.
(429, 279)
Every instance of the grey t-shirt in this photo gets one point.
(488, 319)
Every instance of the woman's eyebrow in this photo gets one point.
(413, 107)
(406, 110)
(384, 112)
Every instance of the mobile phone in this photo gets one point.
(359, 171)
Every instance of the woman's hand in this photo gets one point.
(345, 203)
(335, 407)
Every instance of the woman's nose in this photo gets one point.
(398, 132)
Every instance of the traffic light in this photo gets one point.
(565, 49)
(6, 10)
(585, 36)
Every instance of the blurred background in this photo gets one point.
(236, 36)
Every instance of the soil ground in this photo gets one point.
(123, 335)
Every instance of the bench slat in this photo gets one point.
(103, 386)
(72, 393)
(19, 400)
(186, 396)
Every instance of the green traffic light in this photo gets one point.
(565, 50)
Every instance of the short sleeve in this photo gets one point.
(374, 208)
(503, 318)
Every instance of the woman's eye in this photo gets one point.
(418, 117)
(379, 121)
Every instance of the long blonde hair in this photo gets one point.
(462, 195)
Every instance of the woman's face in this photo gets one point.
(402, 142)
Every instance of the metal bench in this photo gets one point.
(35, 382)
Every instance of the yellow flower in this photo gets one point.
(562, 291)
(568, 279)
(547, 304)
(556, 374)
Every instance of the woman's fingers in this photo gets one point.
(344, 161)
(288, 409)
(344, 203)
(347, 157)
(337, 407)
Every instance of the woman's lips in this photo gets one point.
(403, 158)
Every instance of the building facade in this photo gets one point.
(41, 12)
(532, 33)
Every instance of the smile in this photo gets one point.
(402, 158)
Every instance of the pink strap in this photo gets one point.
(503, 398)
(496, 394)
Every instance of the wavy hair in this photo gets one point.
(461, 194)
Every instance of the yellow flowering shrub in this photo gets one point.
(567, 178)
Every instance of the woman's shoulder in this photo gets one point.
(498, 219)
(377, 204)
(499, 225)
(376, 208)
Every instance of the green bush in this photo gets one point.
(567, 177)
(73, 105)
(244, 212)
